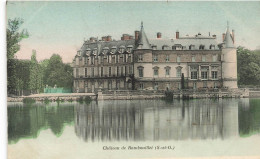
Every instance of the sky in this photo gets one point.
(61, 27)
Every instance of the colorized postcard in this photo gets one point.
(133, 80)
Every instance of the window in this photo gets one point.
(140, 57)
(214, 58)
(204, 75)
(193, 59)
(215, 85)
(178, 59)
(125, 58)
(101, 71)
(92, 60)
(167, 59)
(201, 47)
(194, 85)
(86, 72)
(178, 74)
(117, 85)
(140, 72)
(125, 70)
(130, 70)
(203, 58)
(122, 71)
(141, 86)
(102, 59)
(117, 71)
(155, 72)
(86, 60)
(108, 59)
(109, 71)
(93, 73)
(155, 86)
(212, 47)
(117, 58)
(130, 57)
(155, 58)
(205, 85)
(167, 71)
(191, 47)
(194, 75)
(214, 74)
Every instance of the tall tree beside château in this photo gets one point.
(13, 37)
(57, 73)
(35, 81)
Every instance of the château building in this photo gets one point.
(138, 63)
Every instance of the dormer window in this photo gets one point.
(202, 47)
(191, 47)
(154, 47)
(105, 50)
(113, 49)
(177, 47)
(122, 49)
(95, 51)
(212, 47)
(129, 48)
(165, 47)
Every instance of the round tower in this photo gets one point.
(229, 61)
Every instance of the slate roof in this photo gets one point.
(228, 42)
(107, 45)
(186, 41)
(143, 40)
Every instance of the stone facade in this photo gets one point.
(197, 62)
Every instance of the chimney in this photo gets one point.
(91, 39)
(177, 34)
(159, 35)
(109, 38)
(136, 35)
(214, 36)
(125, 37)
(223, 36)
(233, 36)
(104, 38)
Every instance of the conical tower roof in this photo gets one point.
(143, 42)
(228, 39)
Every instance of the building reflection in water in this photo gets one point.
(157, 120)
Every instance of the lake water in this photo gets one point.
(135, 129)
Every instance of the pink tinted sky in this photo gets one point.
(61, 27)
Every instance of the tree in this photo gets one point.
(248, 66)
(57, 73)
(35, 81)
(13, 37)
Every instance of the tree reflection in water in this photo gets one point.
(138, 120)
